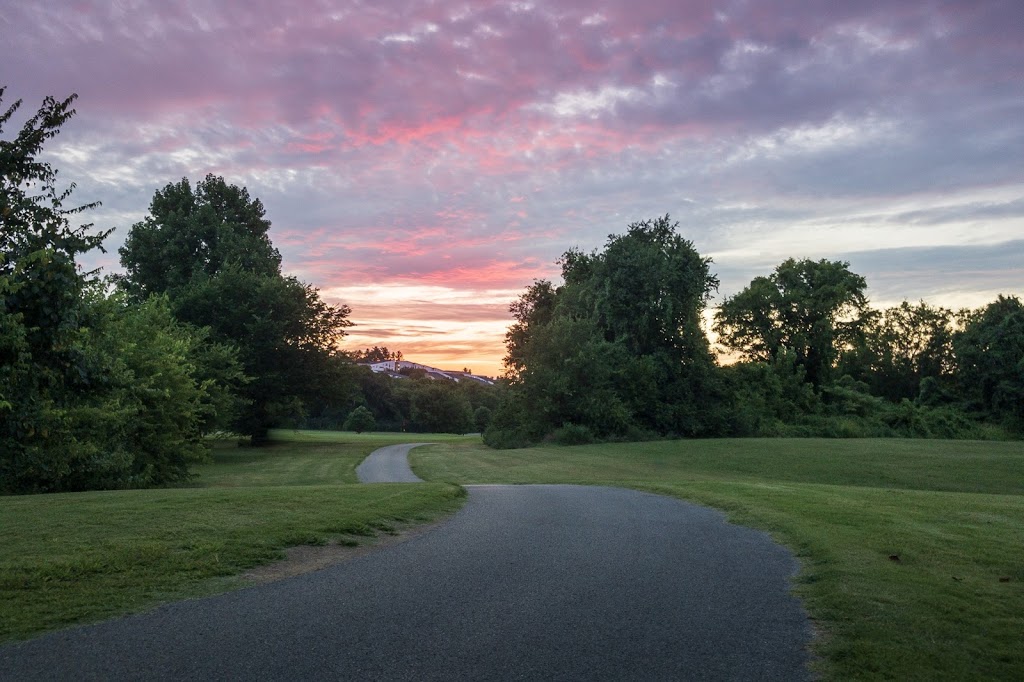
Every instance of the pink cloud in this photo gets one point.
(468, 143)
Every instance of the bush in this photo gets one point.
(506, 439)
(359, 420)
(573, 434)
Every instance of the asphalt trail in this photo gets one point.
(539, 582)
(388, 465)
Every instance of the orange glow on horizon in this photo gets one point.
(430, 324)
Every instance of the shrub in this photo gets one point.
(506, 439)
(573, 434)
(359, 420)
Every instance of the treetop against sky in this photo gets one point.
(424, 162)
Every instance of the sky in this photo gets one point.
(424, 162)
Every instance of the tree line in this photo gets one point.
(618, 351)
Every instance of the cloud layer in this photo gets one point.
(424, 161)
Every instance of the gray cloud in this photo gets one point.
(430, 141)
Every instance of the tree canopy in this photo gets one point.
(93, 393)
(194, 233)
(814, 309)
(209, 251)
(990, 360)
(619, 346)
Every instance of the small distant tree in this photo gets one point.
(376, 354)
(359, 420)
(481, 418)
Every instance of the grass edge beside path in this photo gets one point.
(75, 558)
(910, 550)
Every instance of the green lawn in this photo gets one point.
(81, 557)
(301, 458)
(952, 512)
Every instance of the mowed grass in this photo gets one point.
(300, 458)
(912, 550)
(81, 557)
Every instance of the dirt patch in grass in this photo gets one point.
(308, 558)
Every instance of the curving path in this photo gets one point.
(525, 582)
(388, 465)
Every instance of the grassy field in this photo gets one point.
(912, 550)
(81, 557)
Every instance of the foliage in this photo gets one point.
(619, 346)
(376, 354)
(481, 418)
(93, 393)
(815, 309)
(403, 404)
(191, 233)
(359, 420)
(572, 434)
(208, 250)
(766, 395)
(900, 347)
(153, 401)
(40, 292)
(439, 407)
(990, 361)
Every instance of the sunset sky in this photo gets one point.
(423, 162)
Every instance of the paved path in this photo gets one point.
(388, 465)
(540, 582)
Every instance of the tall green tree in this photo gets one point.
(209, 251)
(990, 360)
(618, 347)
(40, 301)
(191, 233)
(93, 394)
(814, 309)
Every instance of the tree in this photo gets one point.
(620, 345)
(193, 233)
(900, 347)
(209, 251)
(376, 354)
(990, 360)
(41, 293)
(532, 311)
(147, 407)
(815, 309)
(481, 418)
(359, 420)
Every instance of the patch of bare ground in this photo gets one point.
(308, 558)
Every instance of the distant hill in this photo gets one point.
(401, 369)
